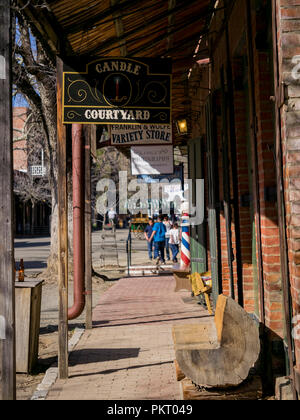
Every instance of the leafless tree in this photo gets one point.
(34, 77)
(29, 186)
(34, 71)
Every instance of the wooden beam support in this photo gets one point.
(109, 43)
(117, 8)
(7, 274)
(62, 231)
(171, 22)
(160, 38)
(119, 28)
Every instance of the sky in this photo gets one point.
(19, 101)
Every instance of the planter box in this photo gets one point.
(28, 312)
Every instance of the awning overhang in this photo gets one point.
(131, 28)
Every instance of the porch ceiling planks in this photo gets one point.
(148, 28)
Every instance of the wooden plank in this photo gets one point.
(28, 309)
(119, 27)
(7, 274)
(88, 230)
(35, 316)
(62, 232)
(23, 298)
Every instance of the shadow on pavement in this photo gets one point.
(85, 356)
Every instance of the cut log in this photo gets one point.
(220, 352)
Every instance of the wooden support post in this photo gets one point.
(7, 275)
(233, 159)
(88, 229)
(213, 198)
(62, 231)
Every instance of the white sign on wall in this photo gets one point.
(124, 135)
(152, 160)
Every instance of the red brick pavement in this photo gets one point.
(129, 353)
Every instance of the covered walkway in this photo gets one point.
(129, 353)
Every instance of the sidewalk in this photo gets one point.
(129, 354)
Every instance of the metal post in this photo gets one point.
(7, 274)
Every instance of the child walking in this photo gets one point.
(174, 241)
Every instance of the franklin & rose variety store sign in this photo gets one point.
(118, 91)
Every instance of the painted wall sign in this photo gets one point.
(152, 160)
(118, 91)
(124, 135)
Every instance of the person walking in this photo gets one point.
(168, 226)
(159, 236)
(148, 233)
(174, 242)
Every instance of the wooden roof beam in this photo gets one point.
(86, 25)
(117, 8)
(112, 41)
(160, 38)
(171, 22)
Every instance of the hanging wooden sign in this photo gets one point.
(140, 134)
(118, 91)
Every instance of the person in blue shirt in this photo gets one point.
(159, 236)
(148, 232)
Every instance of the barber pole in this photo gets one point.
(185, 258)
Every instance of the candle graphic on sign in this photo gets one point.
(114, 86)
(117, 88)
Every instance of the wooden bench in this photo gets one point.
(220, 351)
(201, 287)
(194, 283)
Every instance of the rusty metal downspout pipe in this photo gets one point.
(78, 222)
